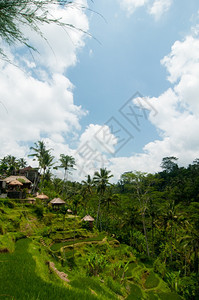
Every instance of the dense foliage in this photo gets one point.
(155, 214)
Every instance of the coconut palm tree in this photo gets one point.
(88, 184)
(43, 155)
(44, 158)
(86, 190)
(12, 164)
(22, 163)
(67, 163)
(39, 151)
(101, 180)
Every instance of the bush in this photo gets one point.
(95, 263)
(114, 286)
(10, 204)
(39, 210)
(136, 293)
(152, 281)
(159, 267)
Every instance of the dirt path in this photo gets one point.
(61, 275)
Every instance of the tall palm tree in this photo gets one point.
(67, 163)
(42, 154)
(22, 163)
(86, 190)
(44, 158)
(88, 184)
(3, 165)
(12, 164)
(39, 151)
(47, 162)
(101, 180)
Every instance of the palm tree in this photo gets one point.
(42, 154)
(86, 190)
(67, 163)
(39, 150)
(44, 158)
(88, 184)
(12, 164)
(3, 165)
(22, 163)
(101, 179)
(47, 161)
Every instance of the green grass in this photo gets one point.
(93, 284)
(135, 293)
(58, 246)
(170, 296)
(20, 280)
(152, 281)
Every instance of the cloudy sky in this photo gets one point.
(122, 99)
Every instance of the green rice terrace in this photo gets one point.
(50, 255)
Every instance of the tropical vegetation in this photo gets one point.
(144, 243)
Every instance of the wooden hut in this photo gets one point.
(31, 200)
(25, 182)
(15, 183)
(42, 197)
(17, 186)
(57, 203)
(88, 219)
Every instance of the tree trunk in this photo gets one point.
(98, 211)
(145, 234)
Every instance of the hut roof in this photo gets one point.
(69, 210)
(88, 218)
(57, 201)
(22, 179)
(15, 182)
(42, 196)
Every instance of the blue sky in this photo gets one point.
(127, 61)
(72, 93)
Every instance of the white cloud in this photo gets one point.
(160, 7)
(36, 99)
(99, 137)
(177, 119)
(156, 8)
(131, 5)
(58, 51)
(95, 146)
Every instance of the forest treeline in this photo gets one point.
(156, 214)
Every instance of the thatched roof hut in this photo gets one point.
(42, 197)
(22, 179)
(88, 218)
(15, 182)
(57, 202)
(31, 200)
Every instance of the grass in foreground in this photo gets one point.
(19, 281)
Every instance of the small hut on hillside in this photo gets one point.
(17, 186)
(15, 183)
(57, 203)
(42, 197)
(31, 200)
(88, 219)
(25, 182)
